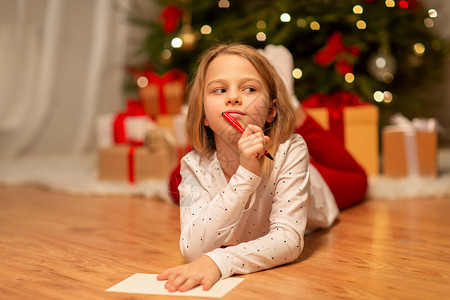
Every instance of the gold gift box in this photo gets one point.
(360, 133)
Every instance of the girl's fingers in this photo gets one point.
(188, 284)
(173, 284)
(252, 138)
(183, 278)
(207, 284)
(255, 143)
(164, 275)
(252, 129)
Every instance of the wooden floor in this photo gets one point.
(57, 246)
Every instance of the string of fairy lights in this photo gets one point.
(381, 65)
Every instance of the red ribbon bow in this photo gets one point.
(160, 81)
(335, 103)
(134, 109)
(170, 17)
(335, 50)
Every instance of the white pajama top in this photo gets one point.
(248, 224)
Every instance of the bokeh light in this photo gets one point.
(428, 22)
(224, 4)
(378, 96)
(285, 17)
(206, 29)
(403, 4)
(166, 54)
(380, 62)
(419, 49)
(314, 25)
(349, 77)
(361, 24)
(357, 9)
(390, 3)
(176, 42)
(142, 81)
(261, 24)
(432, 13)
(297, 73)
(261, 36)
(387, 96)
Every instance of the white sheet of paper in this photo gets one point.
(140, 283)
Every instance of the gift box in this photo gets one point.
(353, 122)
(133, 164)
(409, 150)
(126, 127)
(163, 94)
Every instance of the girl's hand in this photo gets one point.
(202, 271)
(252, 146)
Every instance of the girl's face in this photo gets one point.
(233, 85)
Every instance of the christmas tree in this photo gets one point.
(384, 51)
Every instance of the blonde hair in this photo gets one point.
(201, 137)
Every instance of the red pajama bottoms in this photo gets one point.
(343, 175)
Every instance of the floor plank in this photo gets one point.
(58, 246)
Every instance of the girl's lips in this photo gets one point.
(235, 113)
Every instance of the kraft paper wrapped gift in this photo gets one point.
(133, 164)
(360, 132)
(409, 150)
(163, 94)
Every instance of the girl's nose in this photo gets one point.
(233, 100)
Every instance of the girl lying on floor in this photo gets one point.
(240, 211)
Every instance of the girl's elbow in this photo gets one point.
(293, 253)
(297, 248)
(189, 253)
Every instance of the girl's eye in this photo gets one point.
(219, 91)
(249, 89)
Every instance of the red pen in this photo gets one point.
(239, 128)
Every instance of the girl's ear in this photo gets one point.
(271, 115)
(205, 122)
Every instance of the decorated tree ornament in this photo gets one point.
(189, 37)
(382, 66)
